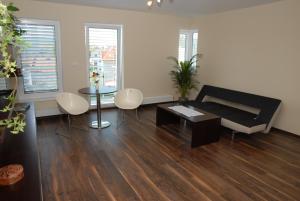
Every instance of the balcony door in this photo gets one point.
(104, 57)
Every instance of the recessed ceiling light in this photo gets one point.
(150, 3)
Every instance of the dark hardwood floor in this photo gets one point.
(139, 161)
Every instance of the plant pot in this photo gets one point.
(182, 99)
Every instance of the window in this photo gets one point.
(182, 47)
(188, 44)
(195, 43)
(104, 56)
(40, 60)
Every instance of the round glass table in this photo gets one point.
(98, 92)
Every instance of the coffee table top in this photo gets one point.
(206, 116)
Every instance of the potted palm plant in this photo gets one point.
(184, 76)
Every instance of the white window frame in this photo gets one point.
(189, 41)
(40, 96)
(120, 67)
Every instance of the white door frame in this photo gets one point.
(120, 72)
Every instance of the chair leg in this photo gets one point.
(123, 118)
(69, 122)
(137, 114)
(66, 136)
(76, 127)
(233, 135)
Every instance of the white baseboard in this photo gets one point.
(147, 101)
(158, 99)
(47, 112)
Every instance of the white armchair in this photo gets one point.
(129, 99)
(71, 104)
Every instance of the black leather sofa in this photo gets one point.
(239, 111)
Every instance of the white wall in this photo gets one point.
(148, 40)
(256, 50)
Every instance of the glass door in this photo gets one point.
(104, 57)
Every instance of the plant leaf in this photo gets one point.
(12, 8)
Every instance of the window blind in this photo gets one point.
(182, 47)
(39, 60)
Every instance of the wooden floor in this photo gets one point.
(139, 161)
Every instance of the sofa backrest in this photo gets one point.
(266, 105)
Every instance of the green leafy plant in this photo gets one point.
(184, 75)
(10, 36)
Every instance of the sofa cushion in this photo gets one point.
(233, 114)
(241, 128)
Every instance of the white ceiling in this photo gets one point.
(177, 7)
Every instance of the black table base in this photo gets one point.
(104, 124)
